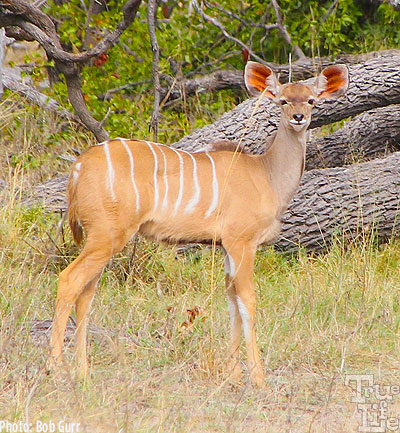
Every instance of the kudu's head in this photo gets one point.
(296, 99)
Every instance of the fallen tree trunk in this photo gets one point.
(373, 84)
(367, 136)
(354, 198)
(302, 69)
(352, 202)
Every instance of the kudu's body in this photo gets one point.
(123, 187)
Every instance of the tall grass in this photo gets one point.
(156, 369)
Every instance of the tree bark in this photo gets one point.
(360, 201)
(352, 202)
(233, 79)
(367, 136)
(373, 84)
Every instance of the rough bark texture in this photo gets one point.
(233, 79)
(370, 134)
(350, 202)
(373, 84)
(50, 194)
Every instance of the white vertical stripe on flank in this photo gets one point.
(156, 192)
(181, 172)
(165, 176)
(110, 171)
(215, 188)
(132, 172)
(196, 196)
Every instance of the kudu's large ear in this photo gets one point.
(333, 81)
(260, 79)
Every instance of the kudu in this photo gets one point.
(122, 187)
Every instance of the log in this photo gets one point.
(373, 84)
(367, 136)
(353, 202)
(302, 69)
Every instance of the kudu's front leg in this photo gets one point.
(235, 321)
(241, 292)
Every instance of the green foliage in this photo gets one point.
(198, 46)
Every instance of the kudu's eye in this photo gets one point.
(311, 101)
(283, 101)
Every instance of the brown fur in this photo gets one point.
(227, 145)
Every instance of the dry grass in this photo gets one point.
(152, 369)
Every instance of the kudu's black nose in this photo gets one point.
(298, 117)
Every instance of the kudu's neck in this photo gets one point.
(284, 162)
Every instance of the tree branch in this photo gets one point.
(49, 39)
(41, 28)
(11, 79)
(373, 83)
(361, 138)
(151, 21)
(284, 32)
(217, 24)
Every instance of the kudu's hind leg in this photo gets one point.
(78, 279)
(82, 305)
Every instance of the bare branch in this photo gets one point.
(107, 96)
(329, 11)
(217, 24)
(283, 30)
(44, 32)
(151, 20)
(231, 14)
(223, 79)
(40, 27)
(11, 79)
